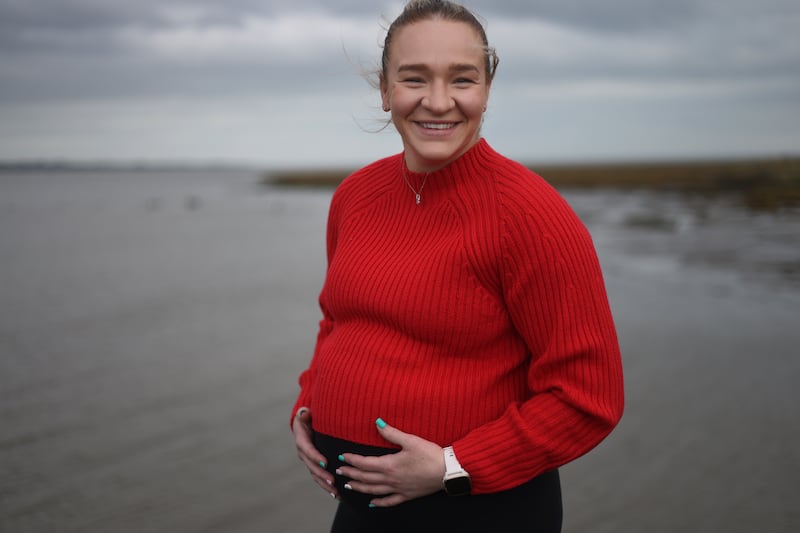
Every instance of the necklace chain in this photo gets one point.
(417, 193)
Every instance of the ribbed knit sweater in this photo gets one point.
(477, 319)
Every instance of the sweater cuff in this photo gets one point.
(301, 404)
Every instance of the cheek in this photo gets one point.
(472, 104)
(403, 101)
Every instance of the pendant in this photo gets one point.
(418, 199)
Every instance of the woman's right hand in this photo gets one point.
(308, 453)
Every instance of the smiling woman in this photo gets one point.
(437, 91)
(435, 78)
(471, 314)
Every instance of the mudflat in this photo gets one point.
(153, 325)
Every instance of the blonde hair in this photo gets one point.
(419, 10)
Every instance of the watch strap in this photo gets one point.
(451, 463)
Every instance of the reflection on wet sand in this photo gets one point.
(153, 326)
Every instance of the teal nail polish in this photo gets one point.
(322, 464)
(372, 506)
(341, 458)
(380, 423)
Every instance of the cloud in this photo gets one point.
(254, 40)
(606, 16)
(719, 52)
(68, 64)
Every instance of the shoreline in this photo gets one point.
(761, 184)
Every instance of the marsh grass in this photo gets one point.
(762, 184)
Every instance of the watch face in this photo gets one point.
(458, 486)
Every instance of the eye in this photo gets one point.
(464, 81)
(413, 80)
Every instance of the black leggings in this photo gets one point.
(533, 507)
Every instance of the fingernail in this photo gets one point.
(322, 464)
(341, 458)
(380, 423)
(372, 506)
(348, 486)
(329, 482)
(333, 495)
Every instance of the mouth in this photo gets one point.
(438, 126)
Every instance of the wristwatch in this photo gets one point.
(456, 480)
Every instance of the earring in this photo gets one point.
(386, 108)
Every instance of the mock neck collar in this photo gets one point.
(469, 159)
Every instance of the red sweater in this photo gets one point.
(477, 319)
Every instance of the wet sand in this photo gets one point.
(152, 328)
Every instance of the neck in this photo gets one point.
(422, 166)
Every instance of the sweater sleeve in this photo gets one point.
(308, 376)
(555, 294)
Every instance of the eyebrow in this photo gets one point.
(456, 67)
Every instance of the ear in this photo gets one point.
(486, 96)
(385, 97)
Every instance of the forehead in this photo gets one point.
(435, 42)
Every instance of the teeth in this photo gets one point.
(436, 125)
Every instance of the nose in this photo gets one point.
(438, 99)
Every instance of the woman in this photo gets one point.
(463, 304)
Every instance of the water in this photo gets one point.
(152, 326)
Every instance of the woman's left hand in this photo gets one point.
(416, 470)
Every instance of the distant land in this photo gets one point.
(108, 166)
(760, 183)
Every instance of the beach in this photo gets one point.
(153, 324)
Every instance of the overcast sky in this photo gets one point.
(278, 83)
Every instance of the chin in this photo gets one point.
(440, 156)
